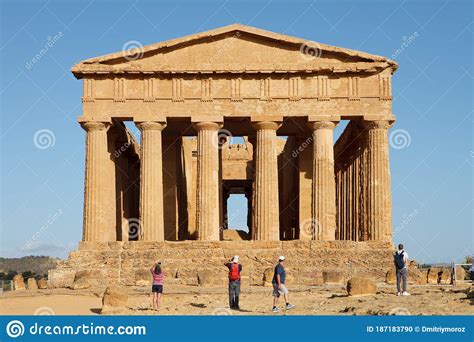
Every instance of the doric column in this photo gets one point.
(266, 206)
(207, 204)
(151, 181)
(324, 184)
(378, 201)
(98, 213)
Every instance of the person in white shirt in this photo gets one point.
(401, 267)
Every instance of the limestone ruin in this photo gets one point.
(325, 205)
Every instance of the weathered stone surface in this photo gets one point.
(207, 199)
(417, 276)
(323, 225)
(151, 178)
(181, 261)
(18, 283)
(86, 278)
(349, 83)
(32, 284)
(460, 273)
(43, 283)
(171, 273)
(143, 277)
(205, 277)
(308, 276)
(333, 278)
(235, 235)
(114, 296)
(266, 219)
(268, 276)
(445, 277)
(470, 292)
(391, 277)
(358, 286)
(197, 175)
(63, 277)
(433, 276)
(80, 284)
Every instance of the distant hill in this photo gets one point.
(36, 264)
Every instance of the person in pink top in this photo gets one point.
(157, 286)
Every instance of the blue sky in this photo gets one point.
(42, 146)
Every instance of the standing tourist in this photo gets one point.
(279, 288)
(401, 268)
(234, 282)
(157, 286)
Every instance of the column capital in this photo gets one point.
(207, 126)
(377, 124)
(151, 125)
(315, 125)
(89, 126)
(269, 125)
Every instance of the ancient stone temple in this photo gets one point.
(325, 205)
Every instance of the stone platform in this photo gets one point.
(201, 263)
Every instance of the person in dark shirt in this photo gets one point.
(234, 282)
(279, 288)
(400, 259)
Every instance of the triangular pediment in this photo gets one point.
(234, 48)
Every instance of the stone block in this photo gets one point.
(391, 277)
(470, 292)
(61, 277)
(432, 276)
(290, 278)
(85, 279)
(460, 273)
(417, 276)
(333, 278)
(43, 283)
(143, 277)
(19, 283)
(205, 277)
(32, 284)
(80, 284)
(268, 276)
(275, 245)
(309, 277)
(235, 235)
(359, 286)
(181, 260)
(114, 296)
(445, 277)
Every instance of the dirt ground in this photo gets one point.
(320, 300)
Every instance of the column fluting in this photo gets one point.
(208, 203)
(151, 182)
(266, 206)
(324, 183)
(98, 213)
